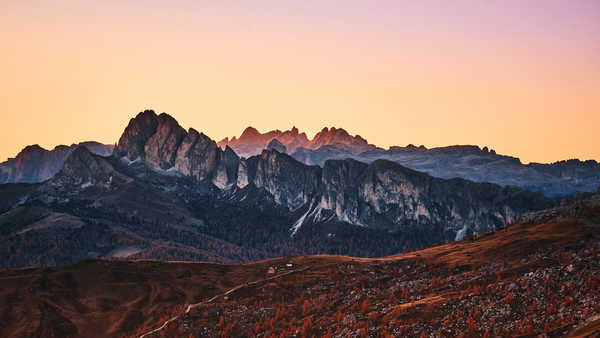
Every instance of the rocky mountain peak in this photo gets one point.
(339, 137)
(161, 148)
(250, 133)
(138, 131)
(252, 142)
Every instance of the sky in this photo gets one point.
(521, 77)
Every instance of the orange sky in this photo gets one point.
(522, 77)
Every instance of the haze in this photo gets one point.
(522, 77)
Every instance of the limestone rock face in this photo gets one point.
(340, 188)
(161, 148)
(225, 174)
(290, 182)
(161, 143)
(134, 138)
(197, 155)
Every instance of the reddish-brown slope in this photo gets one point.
(528, 279)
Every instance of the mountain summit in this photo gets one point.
(251, 142)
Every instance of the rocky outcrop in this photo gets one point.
(291, 183)
(161, 148)
(133, 140)
(225, 174)
(197, 156)
(340, 188)
(161, 143)
(277, 146)
(35, 164)
(83, 169)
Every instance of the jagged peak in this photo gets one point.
(249, 132)
(167, 119)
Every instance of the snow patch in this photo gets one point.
(461, 233)
(123, 252)
(300, 220)
(127, 161)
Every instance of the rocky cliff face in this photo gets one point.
(291, 183)
(161, 143)
(36, 164)
(383, 194)
(133, 140)
(197, 156)
(161, 148)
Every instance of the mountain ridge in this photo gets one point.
(35, 164)
(294, 184)
(168, 193)
(458, 161)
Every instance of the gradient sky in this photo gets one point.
(522, 77)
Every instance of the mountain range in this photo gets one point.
(464, 161)
(473, 163)
(36, 164)
(170, 193)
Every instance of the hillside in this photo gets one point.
(540, 276)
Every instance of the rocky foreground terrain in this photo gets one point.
(539, 277)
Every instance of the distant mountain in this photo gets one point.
(460, 161)
(252, 142)
(168, 193)
(36, 164)
(475, 164)
(470, 162)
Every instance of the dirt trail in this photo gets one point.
(188, 307)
